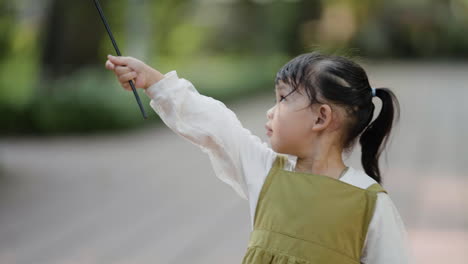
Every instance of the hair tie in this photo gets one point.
(373, 92)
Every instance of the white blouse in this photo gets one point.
(243, 161)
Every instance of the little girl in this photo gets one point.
(306, 205)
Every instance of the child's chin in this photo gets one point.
(279, 149)
(275, 147)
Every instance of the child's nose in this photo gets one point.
(269, 113)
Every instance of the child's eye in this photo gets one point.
(281, 99)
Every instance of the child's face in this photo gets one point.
(290, 121)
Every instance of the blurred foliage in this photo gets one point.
(52, 52)
(227, 78)
(78, 103)
(415, 29)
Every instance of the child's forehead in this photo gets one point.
(281, 86)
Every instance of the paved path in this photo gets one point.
(149, 197)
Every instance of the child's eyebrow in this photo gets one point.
(280, 88)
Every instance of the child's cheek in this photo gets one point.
(280, 132)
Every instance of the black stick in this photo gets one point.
(104, 20)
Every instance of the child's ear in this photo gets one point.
(323, 117)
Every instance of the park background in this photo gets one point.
(84, 179)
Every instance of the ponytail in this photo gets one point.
(374, 138)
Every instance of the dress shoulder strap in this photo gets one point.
(280, 161)
(376, 188)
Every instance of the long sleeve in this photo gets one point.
(239, 158)
(387, 239)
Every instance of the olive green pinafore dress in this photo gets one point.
(305, 218)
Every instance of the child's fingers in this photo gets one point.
(117, 60)
(123, 61)
(124, 78)
(110, 65)
(137, 82)
(127, 86)
(129, 68)
(120, 70)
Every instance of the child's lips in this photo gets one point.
(269, 130)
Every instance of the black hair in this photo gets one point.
(338, 80)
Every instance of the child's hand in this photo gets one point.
(128, 68)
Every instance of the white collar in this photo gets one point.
(352, 176)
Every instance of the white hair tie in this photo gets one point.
(373, 92)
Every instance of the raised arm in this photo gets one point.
(239, 158)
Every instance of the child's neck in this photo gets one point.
(330, 166)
